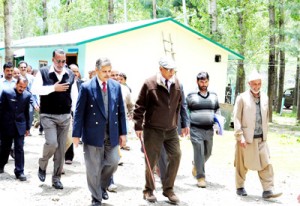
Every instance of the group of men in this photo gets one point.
(100, 123)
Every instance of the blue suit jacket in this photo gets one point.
(89, 118)
(14, 112)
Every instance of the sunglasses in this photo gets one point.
(60, 61)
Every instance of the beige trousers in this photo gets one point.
(258, 152)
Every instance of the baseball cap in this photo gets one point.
(167, 63)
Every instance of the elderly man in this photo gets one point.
(251, 131)
(100, 120)
(156, 123)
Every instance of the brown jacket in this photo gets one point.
(156, 107)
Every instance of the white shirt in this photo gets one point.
(74, 95)
(170, 81)
(39, 89)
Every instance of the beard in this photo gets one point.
(255, 92)
(203, 89)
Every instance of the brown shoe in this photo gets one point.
(172, 197)
(194, 171)
(270, 194)
(201, 182)
(149, 196)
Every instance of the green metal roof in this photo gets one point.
(94, 33)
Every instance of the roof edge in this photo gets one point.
(234, 55)
(125, 30)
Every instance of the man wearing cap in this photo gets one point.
(251, 129)
(155, 116)
(203, 105)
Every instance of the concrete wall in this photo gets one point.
(137, 53)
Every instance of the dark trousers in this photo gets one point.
(6, 142)
(70, 153)
(163, 164)
(154, 139)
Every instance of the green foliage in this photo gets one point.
(287, 114)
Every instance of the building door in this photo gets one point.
(71, 58)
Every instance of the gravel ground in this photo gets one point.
(130, 178)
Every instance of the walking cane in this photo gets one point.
(147, 160)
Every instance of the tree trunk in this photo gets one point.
(240, 74)
(296, 92)
(67, 25)
(154, 8)
(213, 13)
(184, 12)
(282, 57)
(111, 11)
(23, 14)
(298, 88)
(8, 29)
(271, 71)
(276, 77)
(125, 10)
(45, 16)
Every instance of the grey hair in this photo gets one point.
(101, 62)
(58, 51)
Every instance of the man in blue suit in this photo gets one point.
(100, 120)
(14, 124)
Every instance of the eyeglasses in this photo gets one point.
(170, 70)
(60, 61)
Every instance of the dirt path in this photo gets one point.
(130, 178)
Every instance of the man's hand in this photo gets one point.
(76, 141)
(185, 131)
(243, 142)
(61, 87)
(139, 133)
(122, 140)
(27, 133)
(37, 108)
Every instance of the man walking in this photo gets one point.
(74, 95)
(251, 130)
(156, 116)
(14, 124)
(52, 83)
(203, 105)
(100, 121)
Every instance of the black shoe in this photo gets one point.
(270, 194)
(21, 177)
(58, 185)
(1, 170)
(95, 202)
(104, 194)
(241, 192)
(42, 174)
